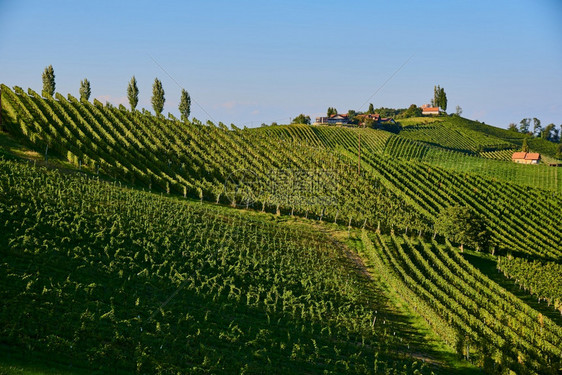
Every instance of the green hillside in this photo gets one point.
(472, 137)
(128, 271)
(273, 249)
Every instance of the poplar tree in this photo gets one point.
(371, 109)
(525, 146)
(48, 81)
(158, 96)
(435, 100)
(439, 98)
(85, 90)
(442, 99)
(133, 93)
(185, 105)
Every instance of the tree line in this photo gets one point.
(157, 99)
(549, 132)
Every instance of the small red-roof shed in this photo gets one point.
(526, 157)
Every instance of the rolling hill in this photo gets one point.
(190, 247)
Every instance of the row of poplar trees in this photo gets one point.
(132, 93)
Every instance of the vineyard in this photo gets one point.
(473, 137)
(447, 135)
(541, 279)
(467, 309)
(149, 284)
(161, 225)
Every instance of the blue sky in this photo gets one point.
(248, 62)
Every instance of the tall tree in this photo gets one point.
(524, 125)
(133, 93)
(525, 145)
(185, 105)
(371, 109)
(513, 127)
(442, 99)
(48, 81)
(331, 111)
(85, 90)
(439, 98)
(458, 110)
(158, 96)
(537, 127)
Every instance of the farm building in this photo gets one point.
(429, 110)
(333, 119)
(375, 117)
(526, 157)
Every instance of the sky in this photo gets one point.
(252, 62)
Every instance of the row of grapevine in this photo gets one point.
(450, 135)
(542, 279)
(197, 160)
(504, 206)
(484, 322)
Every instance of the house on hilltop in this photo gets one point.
(333, 119)
(526, 157)
(374, 117)
(429, 110)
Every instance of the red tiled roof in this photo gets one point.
(430, 109)
(526, 155)
(533, 156)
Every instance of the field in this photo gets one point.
(183, 247)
